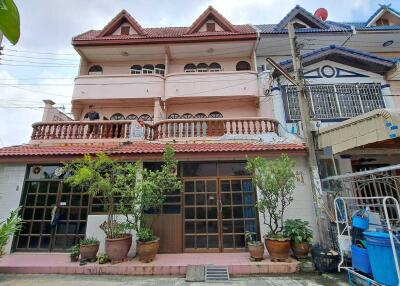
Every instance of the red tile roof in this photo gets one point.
(143, 148)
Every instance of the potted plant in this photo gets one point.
(74, 253)
(256, 247)
(147, 244)
(275, 181)
(142, 190)
(88, 248)
(98, 175)
(102, 258)
(300, 234)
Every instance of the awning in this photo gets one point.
(372, 127)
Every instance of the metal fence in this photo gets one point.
(335, 101)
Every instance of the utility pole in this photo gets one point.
(306, 126)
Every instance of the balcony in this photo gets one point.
(234, 83)
(124, 130)
(129, 86)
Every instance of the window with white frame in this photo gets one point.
(335, 101)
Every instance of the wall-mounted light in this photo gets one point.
(387, 43)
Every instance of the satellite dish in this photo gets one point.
(321, 13)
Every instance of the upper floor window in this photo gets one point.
(173, 116)
(202, 67)
(243, 66)
(200, 115)
(215, 114)
(148, 69)
(187, 116)
(215, 67)
(117, 116)
(96, 69)
(131, 117)
(335, 101)
(145, 117)
(190, 68)
(160, 69)
(136, 69)
(210, 27)
(125, 30)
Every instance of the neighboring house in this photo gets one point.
(194, 87)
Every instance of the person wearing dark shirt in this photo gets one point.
(92, 115)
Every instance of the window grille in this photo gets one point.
(335, 101)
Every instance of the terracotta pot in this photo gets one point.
(89, 251)
(278, 248)
(147, 250)
(256, 250)
(117, 248)
(300, 249)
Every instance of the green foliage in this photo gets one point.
(8, 228)
(275, 181)
(88, 241)
(143, 189)
(74, 251)
(145, 234)
(102, 258)
(9, 20)
(298, 230)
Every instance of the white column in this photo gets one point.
(48, 112)
(387, 98)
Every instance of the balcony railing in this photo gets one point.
(165, 129)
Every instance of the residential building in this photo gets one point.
(194, 87)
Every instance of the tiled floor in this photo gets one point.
(164, 264)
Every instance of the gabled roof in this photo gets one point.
(303, 15)
(167, 34)
(121, 17)
(347, 56)
(378, 13)
(210, 12)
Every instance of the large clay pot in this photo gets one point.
(278, 248)
(300, 249)
(89, 251)
(117, 248)
(147, 250)
(256, 250)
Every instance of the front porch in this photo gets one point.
(164, 264)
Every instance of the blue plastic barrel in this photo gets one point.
(381, 257)
(360, 260)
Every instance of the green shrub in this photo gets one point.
(102, 258)
(8, 228)
(145, 234)
(74, 251)
(298, 230)
(88, 241)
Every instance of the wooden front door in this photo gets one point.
(217, 212)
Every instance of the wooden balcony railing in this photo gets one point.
(165, 129)
(81, 130)
(209, 127)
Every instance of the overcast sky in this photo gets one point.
(47, 27)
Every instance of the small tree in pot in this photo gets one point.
(98, 175)
(300, 234)
(256, 247)
(144, 191)
(88, 248)
(275, 181)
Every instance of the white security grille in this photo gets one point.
(335, 101)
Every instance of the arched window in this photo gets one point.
(145, 117)
(243, 66)
(215, 114)
(117, 116)
(187, 116)
(160, 69)
(96, 69)
(202, 67)
(215, 67)
(148, 69)
(200, 115)
(173, 116)
(189, 68)
(131, 117)
(136, 69)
